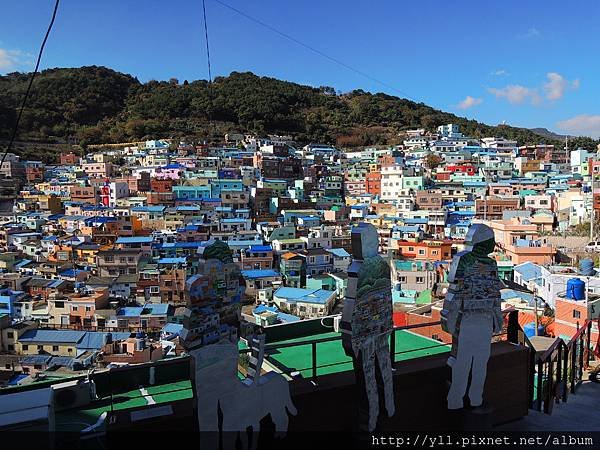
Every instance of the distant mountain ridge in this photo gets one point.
(545, 132)
(99, 105)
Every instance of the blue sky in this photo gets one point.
(531, 63)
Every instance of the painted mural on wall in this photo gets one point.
(213, 297)
(367, 321)
(472, 314)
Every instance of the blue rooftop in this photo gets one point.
(261, 248)
(290, 294)
(172, 261)
(528, 271)
(172, 328)
(259, 273)
(155, 309)
(130, 311)
(134, 240)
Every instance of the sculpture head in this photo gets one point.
(365, 241)
(480, 240)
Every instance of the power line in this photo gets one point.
(206, 36)
(209, 87)
(315, 50)
(35, 71)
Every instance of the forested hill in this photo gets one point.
(97, 105)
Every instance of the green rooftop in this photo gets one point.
(332, 359)
(78, 419)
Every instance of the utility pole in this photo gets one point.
(535, 306)
(592, 213)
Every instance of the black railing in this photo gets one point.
(558, 371)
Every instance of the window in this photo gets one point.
(55, 348)
(435, 336)
(59, 304)
(10, 335)
(576, 314)
(154, 289)
(25, 347)
(40, 347)
(11, 348)
(402, 279)
(420, 279)
(88, 308)
(70, 350)
(74, 308)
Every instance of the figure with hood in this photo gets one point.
(472, 314)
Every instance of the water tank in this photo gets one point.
(107, 338)
(575, 289)
(586, 267)
(529, 329)
(140, 344)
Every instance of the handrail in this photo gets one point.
(580, 331)
(559, 368)
(338, 338)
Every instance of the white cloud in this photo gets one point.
(10, 59)
(517, 94)
(500, 73)
(532, 33)
(469, 102)
(584, 124)
(556, 86)
(553, 89)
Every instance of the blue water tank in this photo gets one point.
(575, 289)
(529, 329)
(586, 267)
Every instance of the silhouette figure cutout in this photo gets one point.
(472, 314)
(367, 319)
(243, 403)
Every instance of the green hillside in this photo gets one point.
(96, 105)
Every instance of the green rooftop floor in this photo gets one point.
(78, 419)
(332, 359)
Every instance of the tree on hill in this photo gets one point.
(97, 104)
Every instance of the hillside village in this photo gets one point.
(97, 252)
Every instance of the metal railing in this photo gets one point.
(558, 371)
(271, 349)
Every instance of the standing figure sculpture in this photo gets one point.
(367, 318)
(472, 314)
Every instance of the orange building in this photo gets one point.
(570, 315)
(423, 315)
(428, 250)
(373, 183)
(521, 241)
